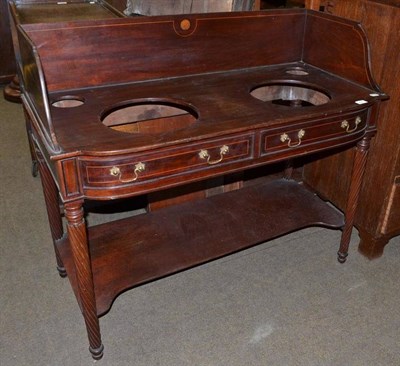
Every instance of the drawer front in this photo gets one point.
(144, 167)
(330, 132)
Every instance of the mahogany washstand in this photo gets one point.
(123, 107)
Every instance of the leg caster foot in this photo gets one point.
(342, 257)
(97, 353)
(62, 272)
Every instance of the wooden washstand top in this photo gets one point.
(205, 64)
(217, 102)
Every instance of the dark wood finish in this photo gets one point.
(33, 11)
(50, 11)
(378, 216)
(288, 50)
(7, 59)
(12, 91)
(7, 63)
(143, 256)
(50, 192)
(324, 5)
(120, 5)
(84, 278)
(253, 105)
(154, 7)
(39, 11)
(360, 159)
(312, 4)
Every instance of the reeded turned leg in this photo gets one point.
(80, 253)
(360, 160)
(35, 163)
(50, 193)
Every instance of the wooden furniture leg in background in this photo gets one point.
(12, 91)
(360, 160)
(372, 245)
(78, 242)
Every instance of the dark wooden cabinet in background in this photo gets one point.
(7, 63)
(378, 216)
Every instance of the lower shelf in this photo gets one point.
(142, 248)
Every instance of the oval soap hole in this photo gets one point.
(291, 95)
(297, 71)
(149, 117)
(68, 101)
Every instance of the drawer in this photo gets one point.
(140, 168)
(329, 132)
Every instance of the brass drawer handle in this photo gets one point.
(345, 124)
(285, 137)
(116, 172)
(205, 155)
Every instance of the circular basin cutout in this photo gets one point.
(149, 117)
(290, 95)
(68, 101)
